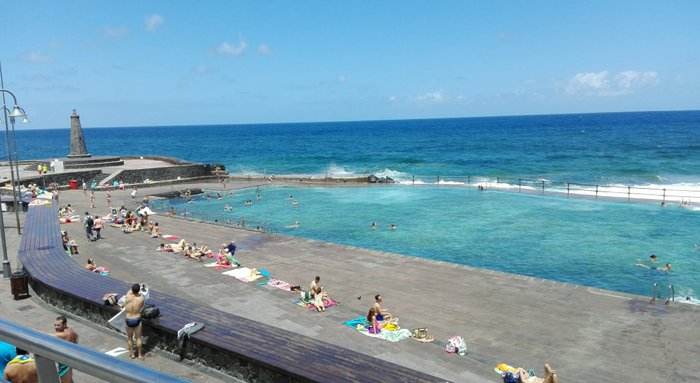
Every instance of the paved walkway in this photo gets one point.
(585, 334)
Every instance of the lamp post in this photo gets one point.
(8, 114)
(16, 194)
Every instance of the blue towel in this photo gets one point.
(353, 323)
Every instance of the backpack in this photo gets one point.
(150, 312)
(508, 377)
(89, 222)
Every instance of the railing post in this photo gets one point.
(498, 180)
(542, 187)
(469, 182)
(438, 180)
(413, 179)
(46, 369)
(520, 184)
(596, 192)
(629, 193)
(568, 185)
(664, 196)
(653, 293)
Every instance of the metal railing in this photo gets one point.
(656, 293)
(570, 189)
(48, 350)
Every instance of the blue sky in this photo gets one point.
(146, 63)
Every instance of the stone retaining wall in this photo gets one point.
(215, 358)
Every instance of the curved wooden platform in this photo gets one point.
(244, 348)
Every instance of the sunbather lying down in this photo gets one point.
(550, 376)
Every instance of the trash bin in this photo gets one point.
(73, 184)
(19, 285)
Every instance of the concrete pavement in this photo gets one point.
(503, 317)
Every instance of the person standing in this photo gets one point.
(109, 198)
(89, 224)
(84, 188)
(21, 369)
(92, 199)
(45, 169)
(97, 225)
(132, 305)
(62, 331)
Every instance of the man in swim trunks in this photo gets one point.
(381, 314)
(132, 305)
(64, 332)
(21, 369)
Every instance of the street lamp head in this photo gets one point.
(17, 112)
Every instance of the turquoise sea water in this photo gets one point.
(587, 242)
(593, 243)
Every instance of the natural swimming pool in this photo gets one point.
(579, 241)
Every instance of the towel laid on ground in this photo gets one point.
(170, 237)
(238, 273)
(280, 284)
(244, 274)
(360, 324)
(326, 303)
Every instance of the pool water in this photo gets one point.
(586, 242)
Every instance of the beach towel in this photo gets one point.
(360, 325)
(353, 323)
(118, 226)
(221, 267)
(326, 303)
(170, 237)
(213, 264)
(238, 273)
(279, 284)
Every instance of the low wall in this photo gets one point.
(137, 176)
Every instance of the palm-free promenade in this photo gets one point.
(585, 334)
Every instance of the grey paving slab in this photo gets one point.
(503, 317)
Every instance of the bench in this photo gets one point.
(241, 347)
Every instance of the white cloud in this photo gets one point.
(601, 84)
(37, 57)
(341, 78)
(202, 69)
(227, 49)
(263, 49)
(632, 79)
(436, 97)
(153, 22)
(392, 98)
(115, 33)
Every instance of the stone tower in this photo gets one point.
(77, 143)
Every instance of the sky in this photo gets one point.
(161, 63)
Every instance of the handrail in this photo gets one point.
(654, 292)
(48, 349)
(670, 294)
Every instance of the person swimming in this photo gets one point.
(666, 268)
(295, 226)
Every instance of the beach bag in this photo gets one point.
(508, 377)
(150, 312)
(110, 299)
(421, 335)
(456, 345)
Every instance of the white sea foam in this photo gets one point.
(334, 170)
(399, 177)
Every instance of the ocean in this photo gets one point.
(588, 242)
(644, 148)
